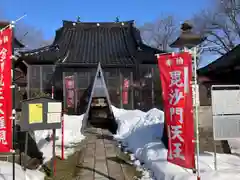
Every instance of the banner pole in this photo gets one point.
(54, 143)
(13, 23)
(13, 104)
(62, 148)
(13, 87)
(196, 110)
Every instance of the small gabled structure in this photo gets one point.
(99, 103)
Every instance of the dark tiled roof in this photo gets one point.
(111, 44)
(227, 61)
(17, 44)
(86, 44)
(147, 54)
(44, 55)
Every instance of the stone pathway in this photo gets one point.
(102, 160)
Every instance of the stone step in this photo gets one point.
(101, 159)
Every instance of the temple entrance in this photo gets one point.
(99, 112)
(100, 115)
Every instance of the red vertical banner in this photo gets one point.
(69, 83)
(5, 90)
(125, 91)
(175, 75)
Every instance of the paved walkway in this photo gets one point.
(101, 159)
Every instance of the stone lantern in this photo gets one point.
(187, 38)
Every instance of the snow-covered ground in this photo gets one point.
(141, 132)
(6, 172)
(235, 146)
(72, 136)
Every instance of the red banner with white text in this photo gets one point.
(69, 83)
(175, 75)
(5, 90)
(125, 91)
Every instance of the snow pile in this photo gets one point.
(234, 145)
(126, 121)
(135, 125)
(6, 172)
(141, 133)
(72, 136)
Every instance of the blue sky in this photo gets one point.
(47, 15)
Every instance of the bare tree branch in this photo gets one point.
(160, 33)
(221, 25)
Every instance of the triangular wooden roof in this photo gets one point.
(99, 89)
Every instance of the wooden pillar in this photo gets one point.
(29, 70)
(41, 78)
(153, 95)
(75, 91)
(132, 90)
(121, 89)
(64, 90)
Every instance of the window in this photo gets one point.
(47, 72)
(35, 71)
(34, 77)
(112, 82)
(82, 74)
(111, 73)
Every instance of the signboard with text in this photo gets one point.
(226, 111)
(40, 114)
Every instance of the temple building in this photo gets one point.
(223, 71)
(70, 63)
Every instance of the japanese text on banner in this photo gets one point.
(125, 91)
(5, 90)
(175, 78)
(176, 96)
(69, 81)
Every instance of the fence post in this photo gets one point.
(41, 77)
(121, 89)
(153, 95)
(29, 71)
(75, 91)
(132, 90)
(64, 90)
